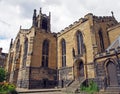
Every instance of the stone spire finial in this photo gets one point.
(112, 13)
(34, 14)
(20, 27)
(40, 10)
(11, 43)
(0, 50)
(49, 14)
(34, 18)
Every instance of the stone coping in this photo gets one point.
(22, 90)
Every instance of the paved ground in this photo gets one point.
(39, 91)
(43, 93)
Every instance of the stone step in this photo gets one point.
(72, 88)
(108, 93)
(113, 89)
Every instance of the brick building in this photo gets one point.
(87, 49)
(3, 58)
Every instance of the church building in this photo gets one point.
(88, 49)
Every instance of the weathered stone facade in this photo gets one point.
(39, 58)
(33, 66)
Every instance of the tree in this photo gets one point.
(2, 74)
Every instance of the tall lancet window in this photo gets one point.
(44, 23)
(101, 40)
(25, 52)
(63, 43)
(17, 54)
(18, 46)
(79, 42)
(45, 53)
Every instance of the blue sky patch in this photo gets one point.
(2, 37)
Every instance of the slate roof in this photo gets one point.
(115, 44)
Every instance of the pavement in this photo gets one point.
(39, 91)
(43, 93)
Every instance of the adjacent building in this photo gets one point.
(3, 59)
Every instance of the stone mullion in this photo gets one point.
(8, 62)
(28, 62)
(30, 52)
(20, 73)
(12, 69)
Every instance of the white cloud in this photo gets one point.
(14, 13)
(5, 44)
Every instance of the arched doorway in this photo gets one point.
(78, 70)
(111, 74)
(45, 83)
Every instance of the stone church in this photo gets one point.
(88, 49)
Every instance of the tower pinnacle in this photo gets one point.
(34, 18)
(112, 13)
(40, 10)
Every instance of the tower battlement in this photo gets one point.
(41, 21)
(98, 19)
(104, 18)
(74, 24)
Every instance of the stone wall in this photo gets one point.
(65, 75)
(69, 34)
(42, 77)
(114, 33)
(40, 36)
(101, 62)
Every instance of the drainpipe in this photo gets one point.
(57, 62)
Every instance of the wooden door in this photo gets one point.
(112, 75)
(79, 70)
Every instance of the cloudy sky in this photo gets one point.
(14, 13)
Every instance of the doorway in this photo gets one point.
(78, 70)
(45, 83)
(111, 74)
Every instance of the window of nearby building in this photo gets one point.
(25, 52)
(79, 42)
(101, 40)
(45, 53)
(63, 43)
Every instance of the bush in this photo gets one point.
(2, 74)
(91, 88)
(7, 88)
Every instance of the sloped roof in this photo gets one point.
(115, 44)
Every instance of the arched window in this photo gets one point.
(101, 40)
(79, 42)
(25, 52)
(44, 23)
(18, 46)
(17, 53)
(63, 43)
(45, 53)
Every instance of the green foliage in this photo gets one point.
(2, 74)
(6, 88)
(91, 88)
